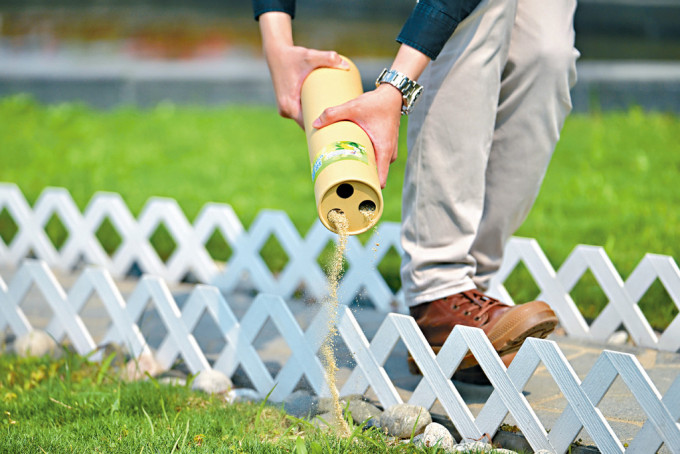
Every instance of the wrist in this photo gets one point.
(276, 29)
(409, 89)
(392, 94)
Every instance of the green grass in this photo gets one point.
(612, 182)
(74, 405)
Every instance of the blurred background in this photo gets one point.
(113, 52)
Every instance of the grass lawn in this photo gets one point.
(612, 182)
(73, 405)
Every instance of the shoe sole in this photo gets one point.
(534, 319)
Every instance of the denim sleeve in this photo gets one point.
(264, 6)
(432, 22)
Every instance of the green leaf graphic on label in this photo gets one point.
(338, 151)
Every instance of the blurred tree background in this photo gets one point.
(606, 29)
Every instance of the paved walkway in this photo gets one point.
(618, 405)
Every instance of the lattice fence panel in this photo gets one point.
(581, 412)
(302, 268)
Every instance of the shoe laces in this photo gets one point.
(481, 300)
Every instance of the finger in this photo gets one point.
(327, 59)
(331, 115)
(383, 169)
(395, 154)
(300, 120)
(383, 164)
(289, 107)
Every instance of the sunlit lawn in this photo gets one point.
(73, 405)
(612, 182)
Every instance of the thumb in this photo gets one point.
(329, 116)
(327, 59)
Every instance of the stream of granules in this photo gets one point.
(339, 220)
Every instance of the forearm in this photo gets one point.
(290, 64)
(276, 29)
(410, 61)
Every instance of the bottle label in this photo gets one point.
(338, 151)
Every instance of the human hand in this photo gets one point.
(289, 66)
(378, 113)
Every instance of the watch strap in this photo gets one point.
(410, 90)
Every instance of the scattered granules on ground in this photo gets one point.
(339, 220)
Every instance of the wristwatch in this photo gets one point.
(410, 90)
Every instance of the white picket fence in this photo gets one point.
(582, 397)
(302, 268)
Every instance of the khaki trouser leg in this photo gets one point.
(479, 142)
(534, 101)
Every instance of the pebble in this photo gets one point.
(212, 381)
(363, 411)
(301, 404)
(35, 343)
(136, 369)
(618, 338)
(172, 381)
(399, 420)
(121, 353)
(325, 420)
(242, 395)
(325, 405)
(475, 446)
(435, 435)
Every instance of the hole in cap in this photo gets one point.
(345, 191)
(334, 213)
(367, 205)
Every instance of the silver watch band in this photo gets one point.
(410, 90)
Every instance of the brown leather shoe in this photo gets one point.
(506, 326)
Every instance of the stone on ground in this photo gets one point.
(136, 369)
(242, 395)
(363, 411)
(327, 420)
(35, 343)
(212, 381)
(435, 435)
(475, 446)
(402, 420)
(618, 338)
(301, 404)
